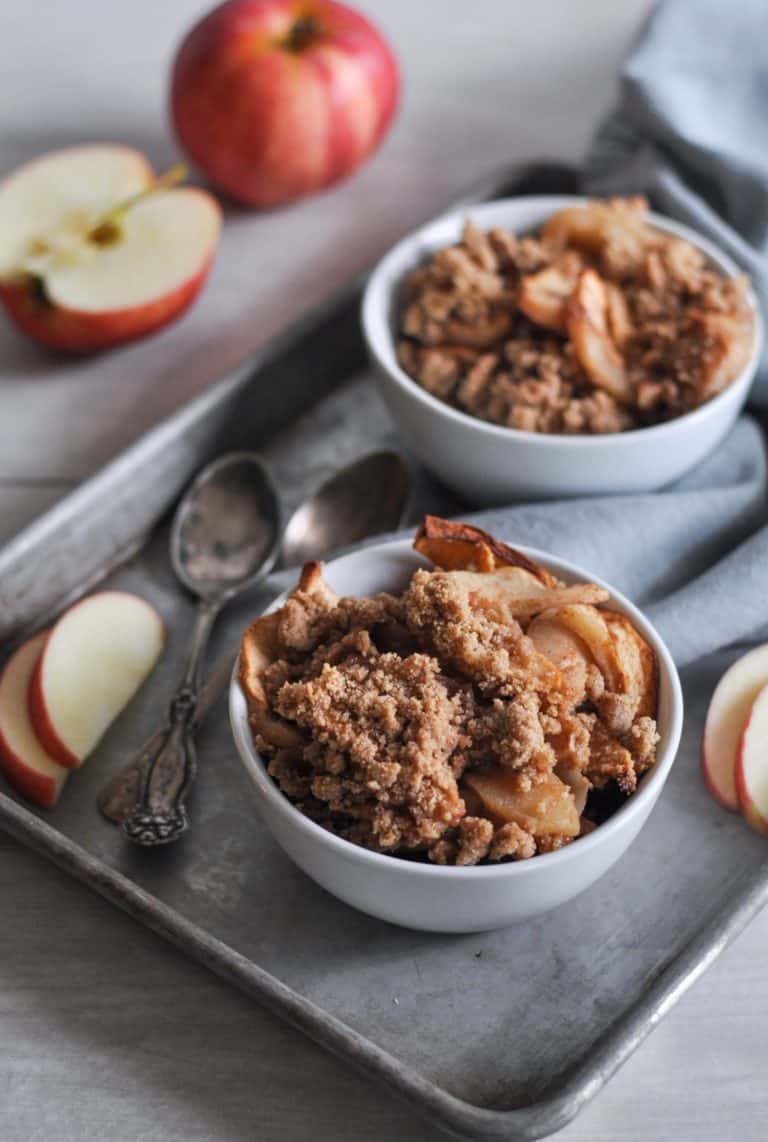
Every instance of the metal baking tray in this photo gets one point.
(501, 1036)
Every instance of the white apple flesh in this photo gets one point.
(95, 659)
(752, 765)
(28, 767)
(63, 194)
(94, 251)
(728, 711)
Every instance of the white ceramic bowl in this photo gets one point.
(490, 464)
(444, 899)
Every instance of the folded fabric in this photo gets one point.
(691, 129)
(689, 555)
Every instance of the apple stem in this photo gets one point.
(302, 33)
(107, 231)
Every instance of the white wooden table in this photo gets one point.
(106, 1032)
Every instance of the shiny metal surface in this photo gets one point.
(366, 497)
(226, 530)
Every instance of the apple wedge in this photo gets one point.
(95, 251)
(463, 547)
(752, 765)
(728, 711)
(639, 668)
(93, 662)
(569, 653)
(589, 625)
(545, 809)
(27, 766)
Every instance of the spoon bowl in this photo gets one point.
(366, 497)
(226, 531)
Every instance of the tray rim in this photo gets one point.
(570, 1091)
(453, 1114)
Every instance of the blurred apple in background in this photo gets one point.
(275, 99)
(94, 250)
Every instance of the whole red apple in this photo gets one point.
(275, 99)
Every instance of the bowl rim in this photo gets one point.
(376, 296)
(650, 788)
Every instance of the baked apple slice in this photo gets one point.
(589, 625)
(588, 326)
(547, 809)
(578, 784)
(638, 663)
(463, 547)
(543, 296)
(514, 594)
(567, 650)
(495, 577)
(261, 647)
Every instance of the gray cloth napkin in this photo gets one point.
(691, 129)
(689, 555)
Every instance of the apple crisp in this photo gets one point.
(599, 323)
(488, 712)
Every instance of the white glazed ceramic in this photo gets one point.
(489, 464)
(440, 899)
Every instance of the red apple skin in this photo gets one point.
(712, 789)
(269, 122)
(80, 332)
(36, 787)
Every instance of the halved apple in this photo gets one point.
(23, 760)
(94, 660)
(752, 765)
(728, 711)
(95, 251)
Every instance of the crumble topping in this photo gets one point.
(601, 323)
(461, 721)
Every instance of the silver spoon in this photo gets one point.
(225, 536)
(366, 497)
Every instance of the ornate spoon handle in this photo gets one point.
(167, 765)
(123, 790)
